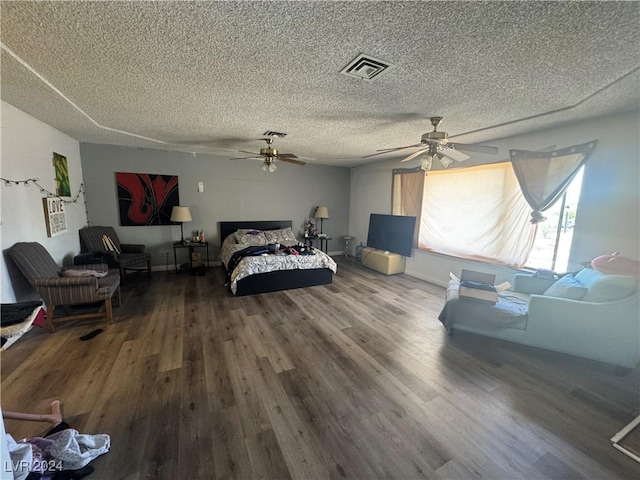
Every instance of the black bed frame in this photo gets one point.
(278, 280)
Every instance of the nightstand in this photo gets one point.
(191, 246)
(324, 242)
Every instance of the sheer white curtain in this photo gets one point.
(478, 213)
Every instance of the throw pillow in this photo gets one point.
(566, 287)
(284, 236)
(271, 236)
(605, 288)
(243, 231)
(251, 238)
(616, 265)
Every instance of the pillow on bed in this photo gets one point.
(250, 237)
(242, 231)
(284, 236)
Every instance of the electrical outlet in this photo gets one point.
(200, 187)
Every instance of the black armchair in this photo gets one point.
(102, 244)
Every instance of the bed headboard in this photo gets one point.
(227, 228)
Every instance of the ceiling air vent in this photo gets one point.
(271, 133)
(365, 67)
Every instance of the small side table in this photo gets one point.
(191, 246)
(324, 242)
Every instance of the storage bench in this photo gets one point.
(383, 262)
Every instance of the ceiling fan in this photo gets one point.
(269, 155)
(437, 144)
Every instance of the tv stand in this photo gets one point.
(383, 262)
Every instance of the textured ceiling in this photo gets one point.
(213, 76)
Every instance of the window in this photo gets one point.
(475, 212)
(494, 213)
(552, 244)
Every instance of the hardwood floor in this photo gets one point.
(357, 379)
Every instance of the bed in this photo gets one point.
(285, 272)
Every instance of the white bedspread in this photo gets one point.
(271, 262)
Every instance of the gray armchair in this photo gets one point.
(44, 274)
(104, 244)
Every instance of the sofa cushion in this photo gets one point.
(566, 287)
(603, 287)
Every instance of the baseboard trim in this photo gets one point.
(420, 276)
(171, 268)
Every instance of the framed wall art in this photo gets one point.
(61, 170)
(146, 199)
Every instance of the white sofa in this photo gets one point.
(608, 331)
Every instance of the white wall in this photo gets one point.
(27, 150)
(608, 216)
(233, 190)
(6, 470)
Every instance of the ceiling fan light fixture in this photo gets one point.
(436, 144)
(272, 167)
(445, 161)
(265, 167)
(426, 162)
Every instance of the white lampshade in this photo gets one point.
(322, 212)
(180, 214)
(445, 161)
(426, 162)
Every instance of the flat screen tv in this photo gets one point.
(392, 233)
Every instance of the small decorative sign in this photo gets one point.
(54, 216)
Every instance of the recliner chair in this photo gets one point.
(46, 277)
(102, 244)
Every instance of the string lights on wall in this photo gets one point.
(34, 181)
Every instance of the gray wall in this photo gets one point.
(608, 217)
(233, 190)
(27, 148)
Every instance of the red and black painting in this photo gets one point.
(146, 199)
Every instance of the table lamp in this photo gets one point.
(322, 213)
(181, 215)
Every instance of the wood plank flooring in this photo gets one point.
(357, 379)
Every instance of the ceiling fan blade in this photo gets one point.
(288, 155)
(389, 150)
(291, 160)
(252, 153)
(376, 154)
(398, 148)
(475, 148)
(413, 155)
(249, 158)
(455, 155)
